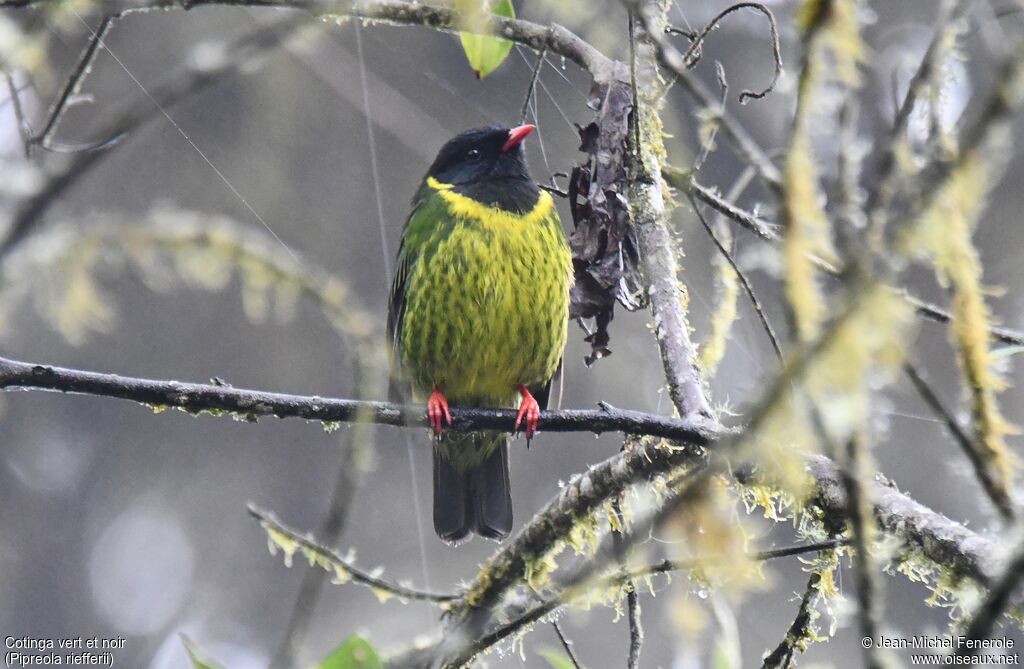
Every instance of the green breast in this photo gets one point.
(486, 298)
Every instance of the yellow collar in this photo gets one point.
(467, 207)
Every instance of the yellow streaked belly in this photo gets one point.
(487, 309)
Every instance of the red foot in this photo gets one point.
(437, 411)
(530, 410)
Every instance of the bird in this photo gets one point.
(478, 316)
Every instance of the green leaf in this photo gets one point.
(198, 661)
(557, 659)
(484, 52)
(355, 653)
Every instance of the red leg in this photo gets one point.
(437, 410)
(528, 409)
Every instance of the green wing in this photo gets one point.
(399, 388)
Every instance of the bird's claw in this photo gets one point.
(437, 411)
(529, 410)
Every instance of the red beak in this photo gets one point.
(516, 135)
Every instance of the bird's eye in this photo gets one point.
(473, 155)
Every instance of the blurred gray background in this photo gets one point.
(117, 521)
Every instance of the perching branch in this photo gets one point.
(197, 398)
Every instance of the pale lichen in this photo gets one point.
(944, 233)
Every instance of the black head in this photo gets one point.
(489, 165)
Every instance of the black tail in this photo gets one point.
(474, 500)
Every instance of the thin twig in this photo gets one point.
(882, 192)
(938, 314)
(799, 629)
(800, 549)
(708, 142)
(636, 630)
(345, 567)
(683, 180)
(747, 288)
(855, 476)
(998, 497)
(742, 140)
(692, 54)
(72, 86)
(533, 83)
(666, 566)
(995, 604)
(566, 645)
(19, 113)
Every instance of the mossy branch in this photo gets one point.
(649, 212)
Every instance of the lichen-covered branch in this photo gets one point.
(938, 538)
(657, 249)
(799, 630)
(280, 537)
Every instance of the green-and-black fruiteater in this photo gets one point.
(478, 315)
